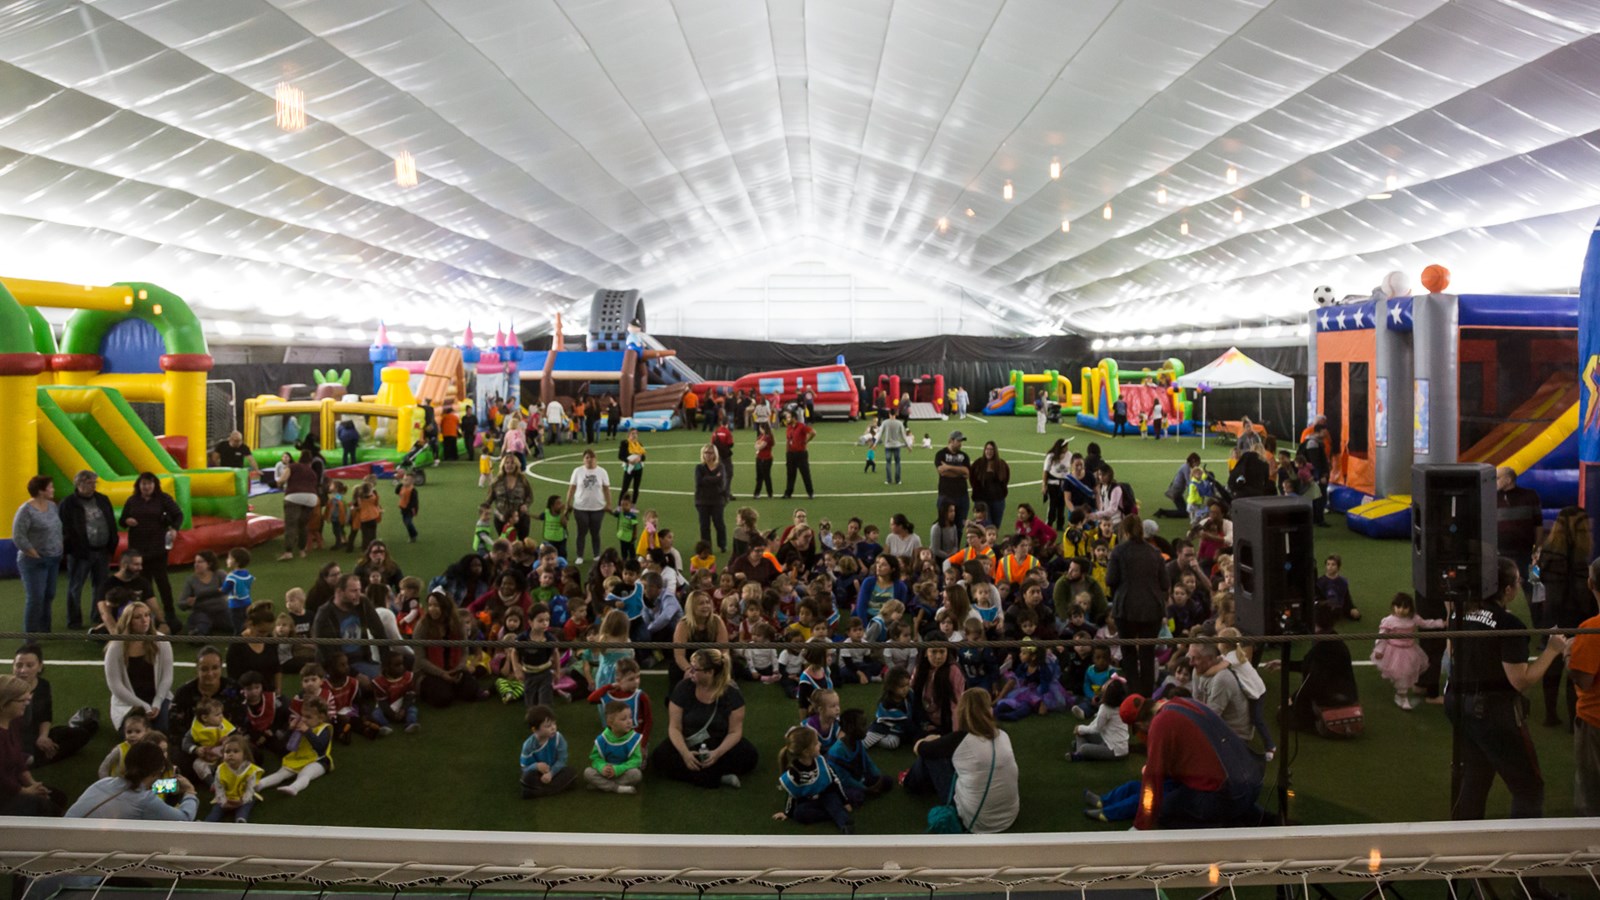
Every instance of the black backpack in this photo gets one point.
(1129, 504)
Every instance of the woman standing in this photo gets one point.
(991, 480)
(152, 519)
(710, 500)
(588, 496)
(705, 743)
(700, 625)
(613, 417)
(299, 499)
(36, 529)
(510, 495)
(138, 669)
(442, 676)
(1057, 466)
(631, 454)
(764, 442)
(974, 766)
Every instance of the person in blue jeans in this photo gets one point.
(89, 535)
(36, 530)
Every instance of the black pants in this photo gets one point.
(931, 776)
(712, 516)
(155, 569)
(348, 453)
(589, 522)
(442, 692)
(631, 479)
(1056, 516)
(1139, 663)
(590, 426)
(797, 464)
(827, 808)
(1494, 740)
(450, 450)
(1118, 425)
(468, 435)
(763, 476)
(69, 740)
(741, 759)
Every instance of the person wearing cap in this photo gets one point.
(89, 533)
(955, 470)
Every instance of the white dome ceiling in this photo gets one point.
(566, 145)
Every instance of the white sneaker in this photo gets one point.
(731, 780)
(578, 561)
(627, 789)
(1402, 701)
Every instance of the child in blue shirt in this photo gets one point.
(236, 587)
(859, 774)
(1094, 681)
(544, 756)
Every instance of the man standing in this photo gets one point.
(892, 438)
(797, 459)
(955, 470)
(1119, 417)
(1521, 518)
(89, 530)
(1583, 667)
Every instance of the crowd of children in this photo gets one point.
(825, 595)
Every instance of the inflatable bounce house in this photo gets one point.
(1016, 398)
(68, 408)
(1103, 384)
(926, 393)
(833, 388)
(648, 382)
(1443, 378)
(494, 371)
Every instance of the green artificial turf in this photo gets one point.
(460, 771)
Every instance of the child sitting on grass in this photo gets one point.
(861, 777)
(544, 756)
(626, 690)
(614, 763)
(1106, 736)
(309, 745)
(815, 791)
(233, 787)
(396, 696)
(824, 718)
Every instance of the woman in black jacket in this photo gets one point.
(152, 518)
(1137, 578)
(709, 497)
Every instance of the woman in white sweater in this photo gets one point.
(139, 670)
(973, 766)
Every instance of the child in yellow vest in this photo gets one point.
(233, 788)
(134, 727)
(205, 737)
(309, 745)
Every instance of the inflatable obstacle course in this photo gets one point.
(67, 406)
(1017, 398)
(1103, 384)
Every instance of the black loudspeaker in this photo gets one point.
(1275, 565)
(1455, 538)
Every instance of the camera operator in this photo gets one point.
(138, 793)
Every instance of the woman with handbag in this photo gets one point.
(973, 768)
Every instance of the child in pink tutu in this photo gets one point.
(1399, 659)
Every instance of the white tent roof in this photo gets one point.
(1216, 157)
(1235, 370)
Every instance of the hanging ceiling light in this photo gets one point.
(1183, 228)
(970, 212)
(1008, 191)
(1305, 201)
(1055, 169)
(291, 107)
(1106, 213)
(405, 170)
(1161, 195)
(1392, 182)
(1233, 175)
(1066, 225)
(943, 224)
(1238, 215)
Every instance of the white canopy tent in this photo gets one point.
(1234, 369)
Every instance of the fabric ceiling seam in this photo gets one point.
(577, 248)
(1056, 288)
(783, 123)
(1439, 180)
